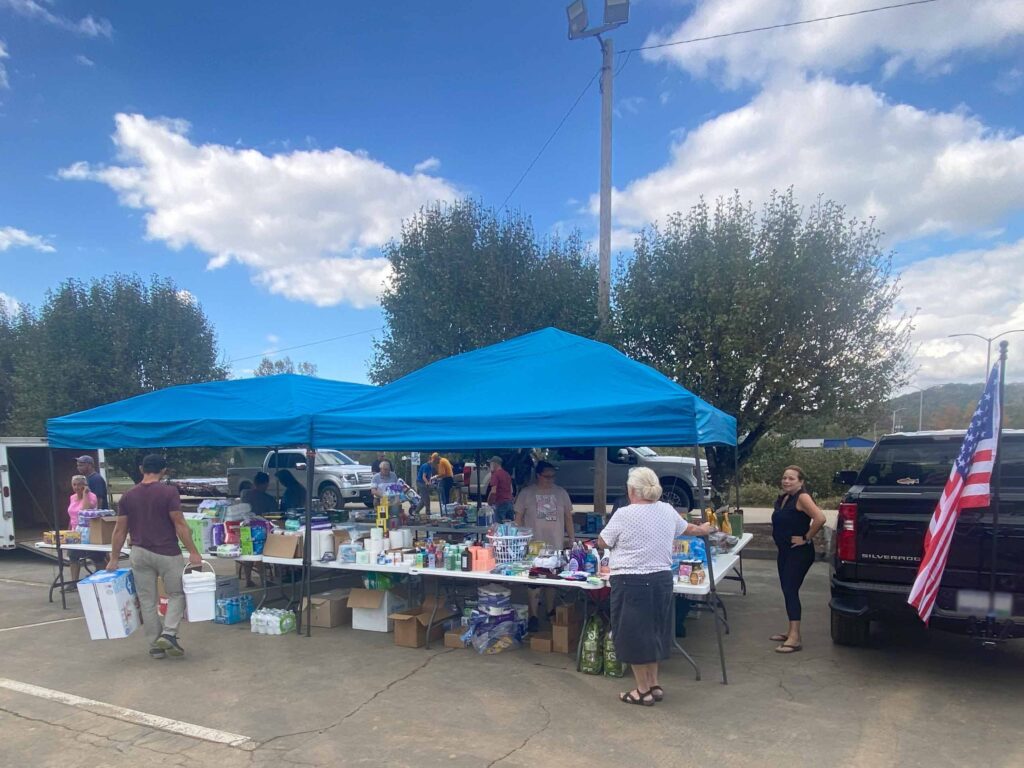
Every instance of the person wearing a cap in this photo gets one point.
(499, 494)
(444, 476)
(151, 512)
(87, 466)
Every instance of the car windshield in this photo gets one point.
(333, 459)
(646, 452)
(915, 462)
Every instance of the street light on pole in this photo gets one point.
(988, 340)
(616, 13)
(920, 405)
(897, 410)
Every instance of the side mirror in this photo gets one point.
(301, 465)
(846, 477)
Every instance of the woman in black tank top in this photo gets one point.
(795, 522)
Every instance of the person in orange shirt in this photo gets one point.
(444, 477)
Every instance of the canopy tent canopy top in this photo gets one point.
(262, 411)
(544, 389)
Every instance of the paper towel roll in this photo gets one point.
(376, 534)
(375, 547)
(387, 542)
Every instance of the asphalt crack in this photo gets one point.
(538, 732)
(357, 710)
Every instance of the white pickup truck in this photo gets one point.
(337, 477)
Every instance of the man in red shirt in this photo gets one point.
(500, 494)
(151, 512)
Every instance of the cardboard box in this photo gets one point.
(110, 604)
(540, 642)
(101, 530)
(280, 545)
(453, 639)
(411, 625)
(564, 639)
(372, 607)
(329, 609)
(66, 537)
(566, 615)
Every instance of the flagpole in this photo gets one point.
(995, 489)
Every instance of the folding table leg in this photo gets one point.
(579, 644)
(433, 612)
(675, 642)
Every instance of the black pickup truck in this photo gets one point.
(880, 538)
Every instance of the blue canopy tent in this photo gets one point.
(543, 389)
(263, 411)
(546, 388)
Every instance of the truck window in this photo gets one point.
(576, 454)
(927, 463)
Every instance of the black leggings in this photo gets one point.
(794, 563)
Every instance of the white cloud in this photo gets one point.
(979, 291)
(301, 221)
(19, 238)
(4, 82)
(426, 166)
(924, 36)
(88, 26)
(630, 104)
(273, 338)
(917, 172)
(85, 61)
(187, 297)
(1010, 81)
(9, 303)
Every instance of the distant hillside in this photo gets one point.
(950, 406)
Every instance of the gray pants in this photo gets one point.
(146, 566)
(423, 489)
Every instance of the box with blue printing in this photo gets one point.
(110, 604)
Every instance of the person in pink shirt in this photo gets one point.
(81, 498)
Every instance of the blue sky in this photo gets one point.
(261, 153)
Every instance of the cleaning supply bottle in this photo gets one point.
(726, 525)
(590, 564)
(605, 569)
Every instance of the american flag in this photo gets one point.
(968, 486)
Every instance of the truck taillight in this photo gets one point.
(846, 532)
(7, 492)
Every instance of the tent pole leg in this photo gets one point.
(713, 600)
(56, 528)
(307, 549)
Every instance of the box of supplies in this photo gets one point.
(371, 608)
(110, 604)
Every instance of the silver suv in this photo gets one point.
(576, 473)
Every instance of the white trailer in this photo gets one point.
(26, 499)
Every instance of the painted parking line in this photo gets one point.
(41, 624)
(23, 583)
(131, 715)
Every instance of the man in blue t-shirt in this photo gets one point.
(87, 466)
(423, 475)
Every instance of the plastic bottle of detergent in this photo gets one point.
(590, 563)
(605, 568)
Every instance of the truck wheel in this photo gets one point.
(850, 630)
(330, 497)
(678, 495)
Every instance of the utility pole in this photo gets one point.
(616, 13)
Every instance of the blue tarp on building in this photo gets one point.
(547, 388)
(264, 411)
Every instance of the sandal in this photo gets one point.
(779, 638)
(657, 692)
(784, 648)
(643, 698)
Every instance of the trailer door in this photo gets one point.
(6, 510)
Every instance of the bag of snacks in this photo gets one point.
(612, 666)
(593, 647)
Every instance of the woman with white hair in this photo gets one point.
(81, 498)
(640, 537)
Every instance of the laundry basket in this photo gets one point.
(510, 549)
(200, 589)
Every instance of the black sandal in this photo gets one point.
(657, 692)
(644, 699)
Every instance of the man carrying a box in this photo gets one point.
(151, 512)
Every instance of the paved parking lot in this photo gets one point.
(348, 698)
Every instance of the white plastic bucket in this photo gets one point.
(200, 589)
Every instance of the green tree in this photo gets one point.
(111, 339)
(268, 367)
(463, 278)
(769, 317)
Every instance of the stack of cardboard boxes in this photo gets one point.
(564, 634)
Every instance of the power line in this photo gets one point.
(549, 140)
(779, 26)
(303, 346)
